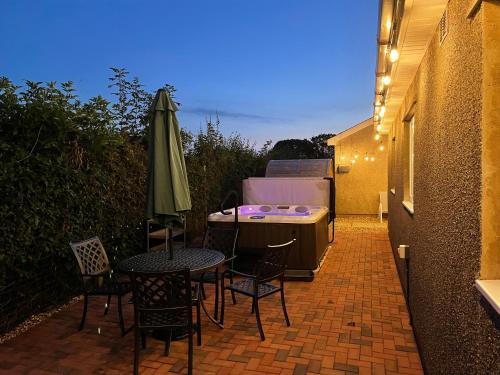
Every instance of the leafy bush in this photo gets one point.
(65, 174)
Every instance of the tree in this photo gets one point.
(323, 151)
(293, 149)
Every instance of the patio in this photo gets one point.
(352, 319)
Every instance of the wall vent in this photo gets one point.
(443, 27)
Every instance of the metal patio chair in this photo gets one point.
(257, 285)
(163, 302)
(223, 240)
(97, 277)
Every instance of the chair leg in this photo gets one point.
(282, 292)
(233, 294)
(85, 302)
(216, 304)
(106, 308)
(120, 315)
(198, 322)
(190, 353)
(167, 342)
(203, 294)
(257, 314)
(137, 349)
(223, 302)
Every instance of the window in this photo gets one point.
(411, 157)
(409, 162)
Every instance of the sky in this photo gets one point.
(271, 69)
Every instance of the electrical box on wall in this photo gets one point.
(404, 251)
(343, 168)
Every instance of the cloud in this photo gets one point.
(236, 115)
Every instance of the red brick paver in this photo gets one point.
(352, 319)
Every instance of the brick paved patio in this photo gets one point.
(352, 319)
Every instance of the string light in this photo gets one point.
(382, 111)
(381, 148)
(379, 127)
(353, 161)
(388, 24)
(372, 158)
(356, 155)
(386, 80)
(377, 137)
(342, 157)
(394, 55)
(366, 156)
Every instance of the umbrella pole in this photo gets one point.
(170, 243)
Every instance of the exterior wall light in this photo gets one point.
(394, 55)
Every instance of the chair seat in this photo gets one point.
(153, 319)
(111, 288)
(208, 277)
(245, 286)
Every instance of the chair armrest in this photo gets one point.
(240, 274)
(230, 259)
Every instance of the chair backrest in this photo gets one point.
(221, 239)
(91, 256)
(274, 261)
(383, 200)
(165, 292)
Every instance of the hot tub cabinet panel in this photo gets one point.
(304, 257)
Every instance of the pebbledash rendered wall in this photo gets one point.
(456, 331)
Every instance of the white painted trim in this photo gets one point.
(490, 289)
(409, 206)
(346, 133)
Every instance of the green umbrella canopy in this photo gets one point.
(168, 188)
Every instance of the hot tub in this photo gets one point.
(261, 225)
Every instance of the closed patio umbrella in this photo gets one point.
(168, 189)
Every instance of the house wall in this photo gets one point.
(357, 192)
(455, 329)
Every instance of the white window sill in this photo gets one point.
(409, 206)
(490, 289)
(393, 191)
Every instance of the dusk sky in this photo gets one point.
(272, 69)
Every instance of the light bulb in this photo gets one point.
(366, 157)
(388, 24)
(379, 127)
(377, 137)
(353, 161)
(381, 148)
(386, 80)
(342, 157)
(382, 111)
(372, 158)
(394, 55)
(356, 156)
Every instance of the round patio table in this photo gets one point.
(198, 260)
